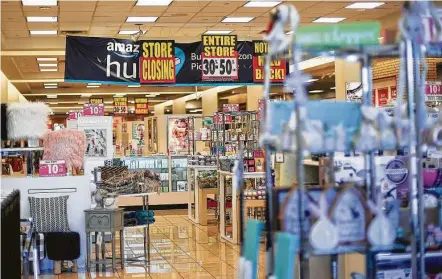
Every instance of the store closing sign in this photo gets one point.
(157, 63)
(219, 58)
(120, 105)
(95, 100)
(278, 67)
(141, 106)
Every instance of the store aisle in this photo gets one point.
(179, 249)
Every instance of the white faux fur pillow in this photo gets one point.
(26, 120)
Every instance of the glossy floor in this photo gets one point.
(179, 249)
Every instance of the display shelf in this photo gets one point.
(22, 149)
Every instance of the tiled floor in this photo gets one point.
(179, 249)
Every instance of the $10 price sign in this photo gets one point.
(93, 110)
(75, 114)
(433, 91)
(219, 58)
(52, 168)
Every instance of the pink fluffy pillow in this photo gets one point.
(68, 145)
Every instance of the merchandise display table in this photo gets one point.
(197, 206)
(229, 223)
(104, 220)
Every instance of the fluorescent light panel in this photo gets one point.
(108, 102)
(41, 3)
(85, 95)
(48, 70)
(262, 4)
(328, 19)
(134, 85)
(365, 5)
(93, 86)
(50, 84)
(316, 91)
(46, 59)
(153, 2)
(312, 80)
(152, 95)
(218, 32)
(48, 65)
(94, 83)
(50, 87)
(41, 18)
(127, 32)
(51, 96)
(237, 19)
(120, 95)
(141, 19)
(43, 32)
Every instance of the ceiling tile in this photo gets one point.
(206, 19)
(16, 33)
(256, 11)
(14, 25)
(77, 26)
(187, 3)
(223, 3)
(174, 19)
(145, 10)
(76, 16)
(74, 6)
(184, 9)
(43, 25)
(215, 9)
(11, 6)
(12, 16)
(169, 24)
(36, 11)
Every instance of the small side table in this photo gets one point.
(104, 220)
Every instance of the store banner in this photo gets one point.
(383, 96)
(110, 60)
(141, 106)
(120, 105)
(157, 62)
(93, 110)
(95, 100)
(219, 58)
(278, 67)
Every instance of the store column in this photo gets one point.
(254, 93)
(179, 106)
(209, 102)
(348, 72)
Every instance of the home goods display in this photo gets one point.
(380, 207)
(26, 121)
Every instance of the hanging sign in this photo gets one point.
(382, 97)
(433, 91)
(219, 58)
(52, 168)
(141, 106)
(157, 62)
(95, 100)
(278, 68)
(393, 92)
(120, 105)
(93, 109)
(75, 114)
(230, 107)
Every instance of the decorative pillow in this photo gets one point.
(50, 214)
(68, 145)
(26, 120)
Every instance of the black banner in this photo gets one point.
(111, 60)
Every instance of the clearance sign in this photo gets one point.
(157, 62)
(120, 105)
(95, 100)
(278, 68)
(141, 106)
(219, 58)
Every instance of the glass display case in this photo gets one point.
(179, 173)
(157, 164)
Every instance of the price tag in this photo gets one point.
(93, 110)
(52, 168)
(75, 114)
(220, 68)
(120, 105)
(230, 107)
(433, 91)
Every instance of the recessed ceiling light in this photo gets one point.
(41, 18)
(153, 2)
(46, 59)
(152, 95)
(94, 83)
(50, 87)
(39, 2)
(233, 19)
(262, 4)
(85, 95)
(333, 88)
(168, 110)
(312, 80)
(141, 19)
(48, 65)
(218, 32)
(365, 5)
(53, 103)
(119, 95)
(328, 19)
(93, 86)
(134, 85)
(316, 91)
(128, 32)
(48, 70)
(50, 84)
(51, 96)
(108, 102)
(43, 32)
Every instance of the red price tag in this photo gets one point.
(75, 114)
(433, 88)
(93, 110)
(393, 91)
(52, 168)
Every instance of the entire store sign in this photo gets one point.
(120, 105)
(219, 58)
(141, 106)
(157, 62)
(52, 168)
(93, 109)
(95, 100)
(433, 91)
(278, 68)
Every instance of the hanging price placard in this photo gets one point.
(433, 91)
(52, 168)
(141, 106)
(278, 68)
(120, 105)
(75, 114)
(219, 58)
(95, 100)
(93, 110)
